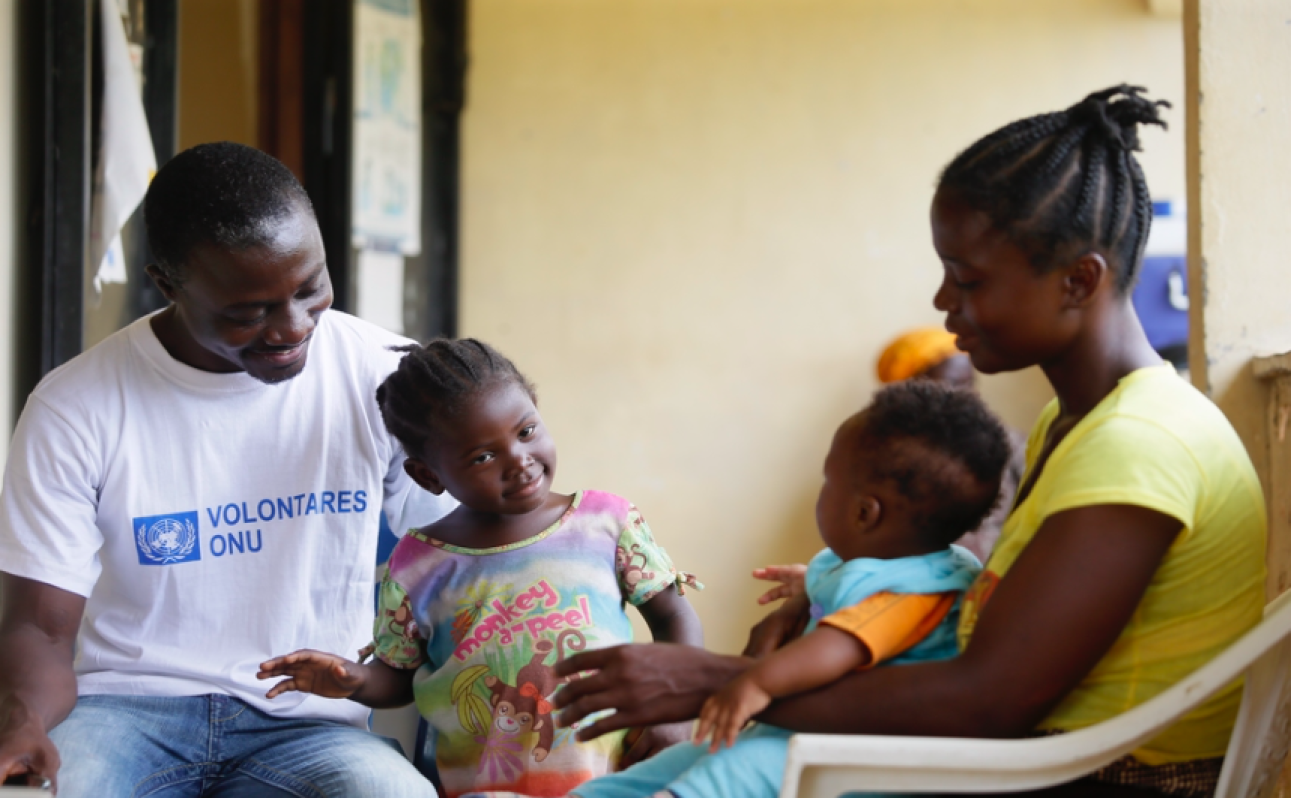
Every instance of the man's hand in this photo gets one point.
(789, 577)
(313, 672)
(641, 744)
(784, 624)
(25, 748)
(645, 684)
(726, 713)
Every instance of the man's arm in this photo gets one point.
(38, 630)
(1052, 618)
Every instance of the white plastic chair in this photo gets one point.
(827, 765)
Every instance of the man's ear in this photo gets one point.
(161, 280)
(1084, 278)
(870, 513)
(423, 476)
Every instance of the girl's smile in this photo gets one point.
(497, 457)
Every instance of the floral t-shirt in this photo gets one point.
(485, 627)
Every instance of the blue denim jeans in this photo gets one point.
(116, 746)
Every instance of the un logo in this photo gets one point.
(167, 539)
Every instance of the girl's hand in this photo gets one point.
(789, 576)
(643, 743)
(726, 713)
(314, 672)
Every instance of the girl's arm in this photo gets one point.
(818, 658)
(672, 619)
(1052, 618)
(374, 684)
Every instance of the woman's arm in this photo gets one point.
(1052, 618)
(671, 619)
(818, 658)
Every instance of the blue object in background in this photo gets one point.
(1160, 295)
(1160, 299)
(387, 541)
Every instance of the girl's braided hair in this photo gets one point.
(435, 382)
(1066, 182)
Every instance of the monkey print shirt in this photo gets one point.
(486, 626)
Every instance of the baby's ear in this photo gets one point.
(870, 512)
(422, 475)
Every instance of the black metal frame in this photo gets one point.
(161, 83)
(65, 182)
(445, 24)
(327, 134)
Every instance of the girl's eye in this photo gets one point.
(482, 458)
(248, 322)
(527, 432)
(965, 286)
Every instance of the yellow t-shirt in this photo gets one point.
(1154, 442)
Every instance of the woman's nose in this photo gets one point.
(945, 296)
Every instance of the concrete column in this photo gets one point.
(1238, 109)
(1238, 55)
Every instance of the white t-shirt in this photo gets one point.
(211, 520)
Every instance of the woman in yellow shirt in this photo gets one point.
(1135, 549)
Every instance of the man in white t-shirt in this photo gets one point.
(194, 495)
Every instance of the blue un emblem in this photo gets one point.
(167, 539)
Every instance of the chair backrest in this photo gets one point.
(1261, 739)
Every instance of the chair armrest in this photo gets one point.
(830, 764)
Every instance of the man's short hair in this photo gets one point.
(220, 193)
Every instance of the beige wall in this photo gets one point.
(694, 223)
(218, 72)
(9, 220)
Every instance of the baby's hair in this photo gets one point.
(219, 193)
(433, 383)
(942, 449)
(1063, 183)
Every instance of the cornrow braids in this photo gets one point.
(1066, 182)
(433, 383)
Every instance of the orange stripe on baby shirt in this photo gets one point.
(890, 623)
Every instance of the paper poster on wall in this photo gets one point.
(386, 126)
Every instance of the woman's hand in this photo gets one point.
(645, 684)
(789, 577)
(781, 626)
(314, 672)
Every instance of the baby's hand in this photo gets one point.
(790, 577)
(726, 713)
(313, 672)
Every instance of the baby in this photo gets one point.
(914, 471)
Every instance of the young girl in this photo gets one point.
(1135, 550)
(904, 478)
(476, 609)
